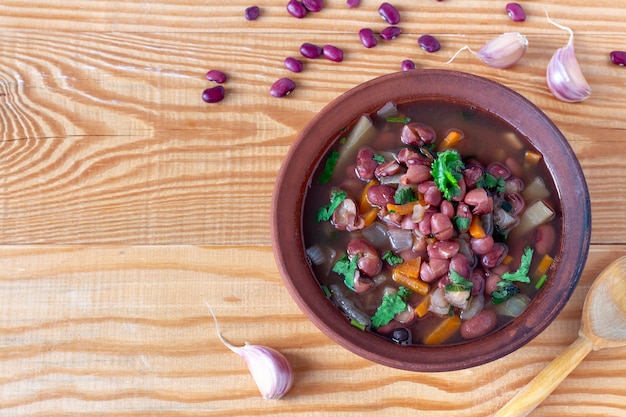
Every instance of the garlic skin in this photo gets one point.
(564, 76)
(501, 52)
(504, 51)
(270, 369)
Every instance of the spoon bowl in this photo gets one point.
(603, 326)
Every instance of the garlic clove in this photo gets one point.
(504, 51)
(564, 76)
(270, 369)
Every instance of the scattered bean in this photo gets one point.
(352, 3)
(618, 58)
(407, 65)
(515, 12)
(389, 13)
(296, 9)
(213, 94)
(216, 76)
(313, 5)
(429, 43)
(390, 32)
(252, 13)
(368, 39)
(282, 87)
(479, 325)
(332, 53)
(293, 64)
(308, 50)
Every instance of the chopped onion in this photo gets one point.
(316, 255)
(376, 234)
(536, 214)
(360, 134)
(388, 110)
(347, 306)
(400, 239)
(514, 306)
(418, 212)
(438, 303)
(475, 306)
(536, 190)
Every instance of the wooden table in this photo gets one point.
(127, 202)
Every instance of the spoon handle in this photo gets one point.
(530, 396)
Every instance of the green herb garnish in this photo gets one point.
(506, 287)
(458, 283)
(391, 305)
(505, 291)
(404, 195)
(329, 167)
(461, 223)
(404, 120)
(446, 171)
(347, 267)
(541, 281)
(379, 158)
(326, 213)
(492, 182)
(391, 258)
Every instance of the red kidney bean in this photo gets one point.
(417, 134)
(390, 33)
(491, 283)
(429, 43)
(443, 249)
(431, 193)
(618, 57)
(309, 50)
(214, 94)
(408, 224)
(472, 174)
(463, 191)
(479, 325)
(433, 269)
(441, 227)
(478, 281)
(389, 13)
(367, 37)
(515, 12)
(380, 195)
(463, 211)
(409, 157)
(365, 164)
(499, 170)
(387, 169)
(447, 208)
(482, 246)
(313, 5)
(296, 9)
(353, 3)
(361, 283)
(368, 261)
(345, 217)
(216, 76)
(252, 13)
(332, 53)
(405, 316)
(544, 237)
(282, 87)
(407, 65)
(517, 203)
(495, 256)
(479, 200)
(419, 242)
(424, 225)
(293, 64)
(416, 174)
(460, 265)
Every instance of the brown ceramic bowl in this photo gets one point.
(313, 144)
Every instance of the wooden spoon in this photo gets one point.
(603, 326)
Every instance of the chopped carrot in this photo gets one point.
(410, 268)
(476, 228)
(532, 157)
(414, 284)
(422, 308)
(402, 209)
(543, 266)
(507, 260)
(364, 203)
(443, 331)
(370, 215)
(452, 138)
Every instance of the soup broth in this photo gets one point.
(431, 223)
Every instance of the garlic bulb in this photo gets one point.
(270, 369)
(501, 52)
(564, 76)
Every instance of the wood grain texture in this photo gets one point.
(126, 203)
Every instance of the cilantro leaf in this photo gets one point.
(446, 171)
(329, 167)
(347, 267)
(492, 182)
(506, 290)
(404, 195)
(391, 305)
(391, 259)
(521, 274)
(461, 223)
(458, 283)
(379, 158)
(326, 213)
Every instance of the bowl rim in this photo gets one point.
(502, 102)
